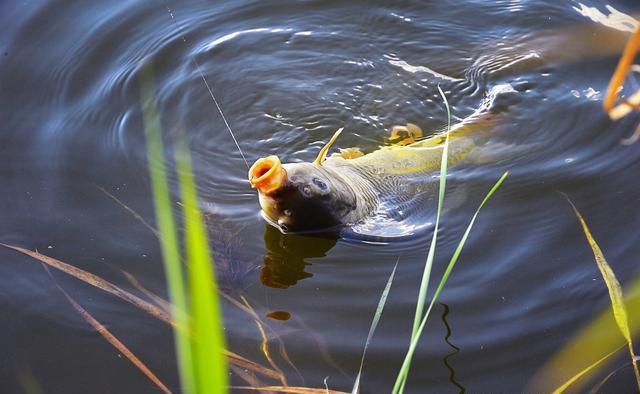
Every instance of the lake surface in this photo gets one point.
(287, 74)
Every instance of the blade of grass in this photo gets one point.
(426, 273)
(322, 346)
(135, 214)
(167, 229)
(614, 288)
(151, 309)
(167, 307)
(245, 363)
(594, 340)
(374, 325)
(156, 299)
(282, 350)
(621, 70)
(580, 374)
(289, 389)
(264, 345)
(597, 388)
(113, 340)
(424, 284)
(262, 329)
(248, 377)
(96, 281)
(404, 370)
(208, 336)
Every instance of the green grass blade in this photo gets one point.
(208, 336)
(374, 325)
(404, 370)
(614, 288)
(424, 284)
(426, 274)
(167, 229)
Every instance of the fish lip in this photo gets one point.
(323, 231)
(273, 222)
(267, 174)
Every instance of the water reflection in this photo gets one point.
(456, 350)
(285, 261)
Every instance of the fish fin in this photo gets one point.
(350, 153)
(405, 135)
(323, 152)
(415, 130)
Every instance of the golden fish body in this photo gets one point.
(348, 187)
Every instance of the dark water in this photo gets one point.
(287, 74)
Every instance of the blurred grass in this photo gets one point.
(615, 291)
(615, 106)
(591, 349)
(198, 331)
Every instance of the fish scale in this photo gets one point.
(394, 180)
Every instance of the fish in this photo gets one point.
(347, 187)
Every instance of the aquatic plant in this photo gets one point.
(198, 330)
(615, 291)
(623, 68)
(602, 338)
(420, 318)
(595, 341)
(374, 325)
(112, 339)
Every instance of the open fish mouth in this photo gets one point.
(267, 174)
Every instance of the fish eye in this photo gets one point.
(321, 184)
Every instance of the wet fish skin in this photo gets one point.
(343, 191)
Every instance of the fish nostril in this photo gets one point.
(306, 190)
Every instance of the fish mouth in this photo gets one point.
(267, 174)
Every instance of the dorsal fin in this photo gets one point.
(323, 152)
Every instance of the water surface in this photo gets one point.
(287, 74)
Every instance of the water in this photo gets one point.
(287, 75)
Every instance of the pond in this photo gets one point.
(287, 74)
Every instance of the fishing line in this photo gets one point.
(197, 66)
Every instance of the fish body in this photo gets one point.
(346, 188)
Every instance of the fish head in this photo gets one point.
(301, 197)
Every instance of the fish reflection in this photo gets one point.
(285, 260)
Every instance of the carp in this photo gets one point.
(347, 187)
